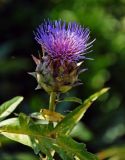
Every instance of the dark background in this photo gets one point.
(104, 122)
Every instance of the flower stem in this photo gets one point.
(52, 101)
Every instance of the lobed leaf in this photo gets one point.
(68, 123)
(70, 149)
(66, 147)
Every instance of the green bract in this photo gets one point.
(54, 77)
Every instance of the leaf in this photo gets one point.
(11, 125)
(66, 147)
(72, 99)
(68, 123)
(118, 151)
(46, 146)
(24, 125)
(8, 107)
(24, 130)
(37, 115)
(21, 138)
(35, 145)
(62, 153)
(70, 149)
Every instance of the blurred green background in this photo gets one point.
(104, 122)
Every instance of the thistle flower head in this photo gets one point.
(63, 42)
(63, 47)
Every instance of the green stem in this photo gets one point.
(52, 101)
(52, 106)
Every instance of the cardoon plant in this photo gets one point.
(47, 132)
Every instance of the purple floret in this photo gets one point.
(63, 42)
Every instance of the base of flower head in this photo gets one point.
(55, 77)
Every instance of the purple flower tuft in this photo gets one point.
(63, 42)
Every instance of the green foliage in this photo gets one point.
(8, 107)
(70, 149)
(44, 137)
(113, 153)
(68, 123)
(72, 99)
